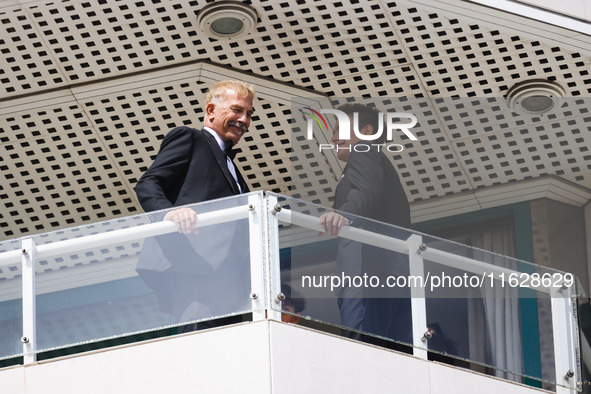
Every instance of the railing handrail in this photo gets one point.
(124, 235)
(398, 245)
(286, 215)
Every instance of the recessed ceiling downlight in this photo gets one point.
(535, 97)
(227, 19)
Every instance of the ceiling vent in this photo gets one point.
(227, 20)
(535, 97)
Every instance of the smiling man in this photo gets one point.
(197, 275)
(191, 165)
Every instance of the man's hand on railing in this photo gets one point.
(332, 223)
(184, 218)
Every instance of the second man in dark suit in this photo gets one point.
(369, 187)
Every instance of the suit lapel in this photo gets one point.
(220, 157)
(342, 189)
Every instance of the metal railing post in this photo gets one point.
(417, 296)
(564, 338)
(273, 262)
(256, 228)
(29, 338)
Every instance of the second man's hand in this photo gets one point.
(185, 219)
(332, 223)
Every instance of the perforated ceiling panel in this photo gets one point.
(56, 172)
(89, 89)
(77, 161)
(80, 41)
(503, 146)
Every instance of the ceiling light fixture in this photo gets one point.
(535, 97)
(227, 19)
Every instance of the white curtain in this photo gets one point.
(494, 312)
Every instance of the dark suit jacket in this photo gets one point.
(190, 168)
(370, 187)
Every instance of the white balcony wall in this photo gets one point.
(258, 357)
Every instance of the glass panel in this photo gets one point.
(482, 309)
(140, 284)
(584, 315)
(11, 326)
(498, 314)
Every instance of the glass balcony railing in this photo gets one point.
(258, 256)
(434, 298)
(124, 277)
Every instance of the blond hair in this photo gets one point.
(218, 91)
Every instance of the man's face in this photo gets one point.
(230, 116)
(344, 147)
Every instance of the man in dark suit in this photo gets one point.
(191, 271)
(369, 187)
